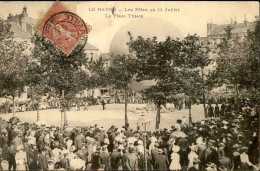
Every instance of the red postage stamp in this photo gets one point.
(63, 28)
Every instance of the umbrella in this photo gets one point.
(178, 134)
(41, 122)
(131, 139)
(14, 119)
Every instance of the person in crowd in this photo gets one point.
(95, 159)
(10, 156)
(224, 162)
(217, 111)
(131, 160)
(228, 142)
(175, 159)
(223, 109)
(103, 104)
(161, 161)
(210, 111)
(1, 158)
(20, 158)
(42, 160)
(79, 140)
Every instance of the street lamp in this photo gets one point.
(145, 129)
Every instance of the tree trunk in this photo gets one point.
(38, 113)
(14, 108)
(203, 94)
(190, 120)
(237, 97)
(126, 100)
(158, 116)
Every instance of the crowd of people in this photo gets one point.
(228, 141)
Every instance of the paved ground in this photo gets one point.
(113, 115)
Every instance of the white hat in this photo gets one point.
(140, 142)
(175, 149)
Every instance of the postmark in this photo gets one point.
(64, 29)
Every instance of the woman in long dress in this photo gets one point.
(175, 157)
(20, 158)
(192, 155)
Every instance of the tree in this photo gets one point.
(121, 74)
(194, 56)
(13, 63)
(173, 64)
(250, 68)
(62, 73)
(37, 85)
(238, 61)
(158, 61)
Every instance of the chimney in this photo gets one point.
(245, 21)
(209, 28)
(231, 21)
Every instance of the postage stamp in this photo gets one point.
(63, 28)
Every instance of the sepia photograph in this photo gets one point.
(129, 85)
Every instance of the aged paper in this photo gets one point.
(84, 85)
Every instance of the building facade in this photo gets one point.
(23, 28)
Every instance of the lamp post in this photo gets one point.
(145, 129)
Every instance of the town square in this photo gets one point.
(129, 86)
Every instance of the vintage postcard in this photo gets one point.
(141, 85)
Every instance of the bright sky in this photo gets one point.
(192, 17)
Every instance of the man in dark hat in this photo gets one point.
(116, 159)
(32, 157)
(42, 160)
(161, 162)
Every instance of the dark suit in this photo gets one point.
(132, 161)
(40, 143)
(42, 162)
(78, 141)
(10, 156)
(32, 158)
(116, 159)
(105, 160)
(161, 162)
(95, 158)
(184, 151)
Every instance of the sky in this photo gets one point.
(189, 17)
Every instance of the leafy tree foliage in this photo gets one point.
(13, 63)
(61, 72)
(172, 63)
